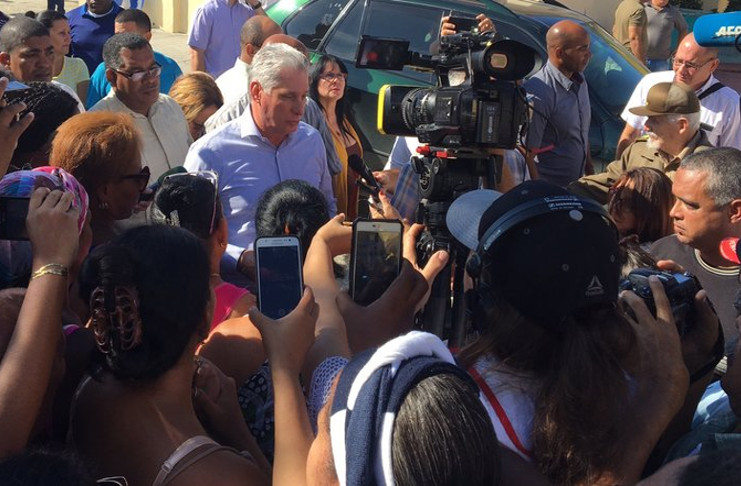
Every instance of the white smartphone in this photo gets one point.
(375, 260)
(280, 282)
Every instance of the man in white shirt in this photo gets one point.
(694, 66)
(134, 77)
(235, 82)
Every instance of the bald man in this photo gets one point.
(558, 135)
(694, 66)
(234, 82)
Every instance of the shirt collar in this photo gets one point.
(699, 139)
(561, 78)
(241, 64)
(121, 106)
(711, 81)
(99, 16)
(248, 128)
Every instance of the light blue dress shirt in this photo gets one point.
(247, 165)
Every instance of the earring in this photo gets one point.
(103, 205)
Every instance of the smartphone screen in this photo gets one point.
(279, 274)
(375, 259)
(464, 24)
(13, 212)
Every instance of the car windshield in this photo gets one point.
(610, 74)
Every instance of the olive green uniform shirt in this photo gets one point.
(638, 154)
(630, 12)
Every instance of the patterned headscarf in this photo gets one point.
(23, 182)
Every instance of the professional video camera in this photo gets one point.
(486, 110)
(461, 124)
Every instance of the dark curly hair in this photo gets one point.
(295, 205)
(167, 270)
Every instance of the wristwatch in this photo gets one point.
(257, 5)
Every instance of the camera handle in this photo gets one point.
(443, 179)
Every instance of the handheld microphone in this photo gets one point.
(718, 30)
(357, 164)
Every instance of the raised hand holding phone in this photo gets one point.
(279, 274)
(375, 260)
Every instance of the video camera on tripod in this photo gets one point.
(461, 124)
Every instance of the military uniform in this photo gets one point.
(638, 154)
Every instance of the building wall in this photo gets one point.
(169, 15)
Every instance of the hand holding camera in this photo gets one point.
(12, 125)
(696, 321)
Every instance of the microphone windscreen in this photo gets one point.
(717, 30)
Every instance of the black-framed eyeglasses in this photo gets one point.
(329, 77)
(152, 72)
(142, 177)
(211, 177)
(692, 66)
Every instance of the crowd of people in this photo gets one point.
(132, 349)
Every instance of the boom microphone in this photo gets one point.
(718, 30)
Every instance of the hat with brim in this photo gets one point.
(668, 98)
(558, 253)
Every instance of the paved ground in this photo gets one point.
(172, 45)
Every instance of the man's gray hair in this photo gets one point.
(18, 30)
(114, 45)
(693, 119)
(723, 167)
(270, 60)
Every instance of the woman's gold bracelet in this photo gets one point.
(51, 269)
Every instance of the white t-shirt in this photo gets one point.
(719, 110)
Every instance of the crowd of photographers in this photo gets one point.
(604, 307)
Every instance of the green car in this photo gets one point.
(336, 26)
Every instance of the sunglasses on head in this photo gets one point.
(211, 177)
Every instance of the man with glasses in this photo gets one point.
(135, 80)
(672, 113)
(694, 66)
(707, 188)
(137, 21)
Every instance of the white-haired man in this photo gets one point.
(672, 113)
(694, 66)
(265, 146)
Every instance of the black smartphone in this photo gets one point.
(13, 212)
(464, 24)
(375, 260)
(279, 274)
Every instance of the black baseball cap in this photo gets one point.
(549, 252)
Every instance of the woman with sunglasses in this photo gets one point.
(103, 151)
(327, 87)
(639, 204)
(191, 201)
